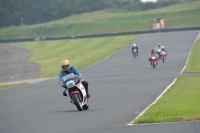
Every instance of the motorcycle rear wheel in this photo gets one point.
(76, 102)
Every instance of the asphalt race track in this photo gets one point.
(121, 88)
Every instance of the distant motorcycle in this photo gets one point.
(134, 53)
(158, 53)
(163, 55)
(76, 91)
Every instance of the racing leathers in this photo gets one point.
(158, 49)
(163, 49)
(135, 47)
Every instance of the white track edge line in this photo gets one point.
(197, 38)
(152, 103)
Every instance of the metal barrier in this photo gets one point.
(105, 34)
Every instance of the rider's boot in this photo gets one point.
(71, 101)
(85, 84)
(64, 93)
(88, 94)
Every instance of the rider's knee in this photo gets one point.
(85, 84)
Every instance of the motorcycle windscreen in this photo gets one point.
(68, 77)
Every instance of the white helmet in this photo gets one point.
(163, 46)
(134, 45)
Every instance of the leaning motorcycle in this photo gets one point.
(163, 55)
(153, 61)
(76, 91)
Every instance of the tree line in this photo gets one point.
(17, 12)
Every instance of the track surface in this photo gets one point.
(120, 86)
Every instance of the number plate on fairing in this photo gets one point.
(70, 84)
(163, 52)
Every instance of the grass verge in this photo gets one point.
(193, 65)
(80, 52)
(2, 87)
(180, 103)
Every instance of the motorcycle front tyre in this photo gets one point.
(163, 58)
(154, 64)
(76, 102)
(86, 106)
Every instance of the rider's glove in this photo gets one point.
(78, 76)
(65, 93)
(61, 83)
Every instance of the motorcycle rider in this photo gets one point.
(152, 54)
(163, 49)
(158, 47)
(135, 47)
(67, 69)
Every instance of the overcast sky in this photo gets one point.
(148, 0)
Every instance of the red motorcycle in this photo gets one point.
(153, 60)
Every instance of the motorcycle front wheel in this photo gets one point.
(163, 57)
(154, 64)
(134, 55)
(85, 107)
(76, 102)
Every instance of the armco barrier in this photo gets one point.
(106, 34)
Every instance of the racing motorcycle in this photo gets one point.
(158, 53)
(134, 53)
(76, 91)
(153, 61)
(163, 55)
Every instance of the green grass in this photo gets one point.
(176, 16)
(80, 52)
(6, 86)
(180, 103)
(193, 65)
